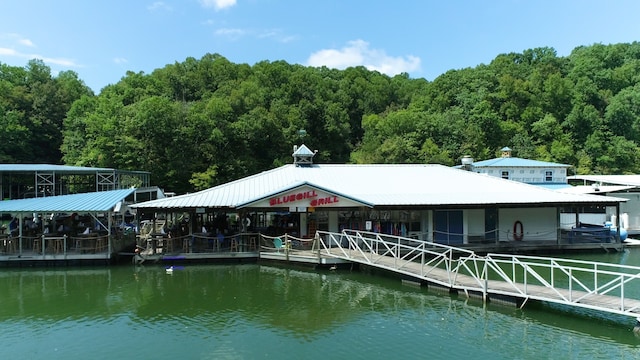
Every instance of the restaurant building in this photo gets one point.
(423, 201)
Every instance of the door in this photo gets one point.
(491, 224)
(449, 227)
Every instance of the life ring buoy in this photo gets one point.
(518, 230)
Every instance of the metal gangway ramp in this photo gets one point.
(598, 286)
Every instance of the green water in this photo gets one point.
(265, 312)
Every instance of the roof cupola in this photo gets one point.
(302, 155)
(506, 152)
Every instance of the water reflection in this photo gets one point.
(254, 311)
(54, 294)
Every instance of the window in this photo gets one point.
(504, 174)
(548, 176)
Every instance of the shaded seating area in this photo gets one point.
(8, 244)
(64, 227)
(198, 243)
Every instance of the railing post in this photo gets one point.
(286, 247)
(485, 295)
(570, 285)
(524, 276)
(595, 277)
(316, 243)
(422, 260)
(397, 254)
(622, 292)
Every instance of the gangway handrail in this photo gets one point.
(576, 272)
(432, 255)
(582, 283)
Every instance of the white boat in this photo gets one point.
(631, 242)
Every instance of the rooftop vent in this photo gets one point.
(506, 152)
(467, 163)
(302, 156)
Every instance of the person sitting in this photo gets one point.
(220, 238)
(13, 226)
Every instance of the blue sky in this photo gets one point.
(102, 40)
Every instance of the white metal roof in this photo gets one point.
(633, 180)
(588, 189)
(378, 185)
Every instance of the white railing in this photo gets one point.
(581, 283)
(600, 286)
(376, 249)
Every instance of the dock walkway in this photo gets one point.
(610, 288)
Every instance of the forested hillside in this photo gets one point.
(33, 106)
(203, 122)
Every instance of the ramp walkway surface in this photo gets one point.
(605, 287)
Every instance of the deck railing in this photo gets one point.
(595, 285)
(57, 246)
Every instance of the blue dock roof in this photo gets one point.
(101, 201)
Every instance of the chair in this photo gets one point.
(168, 244)
(101, 244)
(77, 244)
(9, 244)
(277, 243)
(252, 243)
(58, 245)
(234, 244)
(37, 245)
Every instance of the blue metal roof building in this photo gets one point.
(77, 228)
(546, 174)
(517, 162)
(101, 201)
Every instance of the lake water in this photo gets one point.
(250, 311)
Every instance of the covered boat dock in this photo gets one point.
(66, 229)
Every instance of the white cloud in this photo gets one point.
(26, 42)
(277, 35)
(232, 34)
(217, 4)
(8, 52)
(120, 60)
(48, 60)
(20, 42)
(358, 53)
(18, 39)
(56, 61)
(159, 5)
